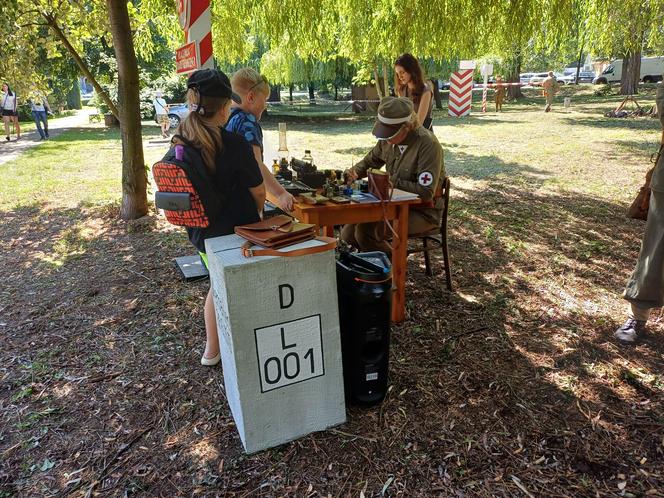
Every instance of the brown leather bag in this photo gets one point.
(382, 189)
(380, 185)
(278, 232)
(639, 207)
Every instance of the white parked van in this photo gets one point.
(652, 69)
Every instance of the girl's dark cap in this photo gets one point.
(212, 83)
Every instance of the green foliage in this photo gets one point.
(617, 28)
(603, 90)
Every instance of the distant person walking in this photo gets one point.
(500, 91)
(645, 288)
(161, 112)
(40, 110)
(409, 82)
(550, 86)
(9, 106)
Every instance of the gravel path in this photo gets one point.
(11, 150)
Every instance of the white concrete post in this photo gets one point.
(279, 336)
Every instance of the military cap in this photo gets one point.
(393, 112)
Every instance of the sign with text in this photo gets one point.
(186, 58)
(289, 352)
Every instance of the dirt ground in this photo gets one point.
(511, 386)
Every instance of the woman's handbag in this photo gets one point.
(380, 185)
(278, 232)
(639, 207)
(382, 189)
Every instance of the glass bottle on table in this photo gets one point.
(307, 157)
(275, 167)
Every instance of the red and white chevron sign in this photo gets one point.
(196, 20)
(461, 93)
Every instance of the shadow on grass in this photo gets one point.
(612, 123)
(460, 164)
(515, 371)
(648, 148)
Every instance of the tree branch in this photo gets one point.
(50, 19)
(32, 24)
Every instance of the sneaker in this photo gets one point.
(630, 330)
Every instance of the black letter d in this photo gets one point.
(282, 303)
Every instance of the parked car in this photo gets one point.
(651, 71)
(176, 113)
(443, 85)
(565, 79)
(524, 78)
(537, 79)
(584, 76)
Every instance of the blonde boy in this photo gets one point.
(254, 90)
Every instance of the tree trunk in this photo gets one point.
(74, 96)
(513, 71)
(386, 82)
(290, 93)
(336, 92)
(631, 73)
(312, 95)
(436, 94)
(134, 175)
(51, 21)
(275, 94)
(378, 88)
(578, 66)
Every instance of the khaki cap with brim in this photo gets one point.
(393, 112)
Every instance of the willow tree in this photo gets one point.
(624, 29)
(64, 26)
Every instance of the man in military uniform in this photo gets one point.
(413, 158)
(550, 87)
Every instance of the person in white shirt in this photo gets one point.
(161, 112)
(39, 107)
(8, 104)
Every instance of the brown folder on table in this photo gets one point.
(276, 232)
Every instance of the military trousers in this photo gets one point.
(371, 236)
(645, 288)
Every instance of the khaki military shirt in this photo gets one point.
(550, 85)
(415, 165)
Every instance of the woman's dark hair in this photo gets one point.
(9, 89)
(412, 66)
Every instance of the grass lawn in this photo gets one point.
(512, 385)
(85, 162)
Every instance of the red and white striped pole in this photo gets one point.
(486, 70)
(196, 21)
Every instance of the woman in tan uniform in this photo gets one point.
(409, 82)
(645, 288)
(499, 94)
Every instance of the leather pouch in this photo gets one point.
(379, 184)
(279, 231)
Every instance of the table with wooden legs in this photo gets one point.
(329, 214)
